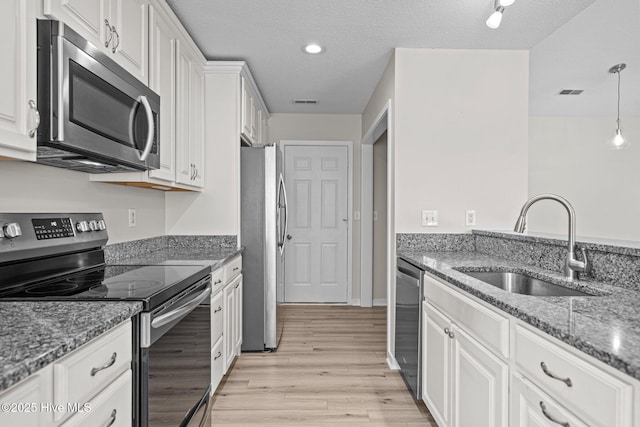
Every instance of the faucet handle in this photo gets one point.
(583, 266)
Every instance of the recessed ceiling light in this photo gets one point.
(313, 48)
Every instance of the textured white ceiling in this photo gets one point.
(359, 36)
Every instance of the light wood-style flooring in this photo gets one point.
(330, 368)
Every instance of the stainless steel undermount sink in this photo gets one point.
(522, 284)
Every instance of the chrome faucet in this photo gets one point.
(572, 265)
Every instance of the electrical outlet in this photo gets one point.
(132, 218)
(429, 218)
(470, 218)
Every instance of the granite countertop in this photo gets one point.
(211, 257)
(34, 334)
(605, 326)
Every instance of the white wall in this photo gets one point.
(29, 187)
(569, 156)
(460, 137)
(216, 209)
(328, 127)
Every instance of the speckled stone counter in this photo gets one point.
(35, 334)
(605, 326)
(212, 251)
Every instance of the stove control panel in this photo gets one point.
(52, 228)
(30, 235)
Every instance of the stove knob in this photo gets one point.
(101, 225)
(93, 225)
(12, 230)
(82, 226)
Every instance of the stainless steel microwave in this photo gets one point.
(94, 115)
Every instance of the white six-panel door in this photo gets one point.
(316, 178)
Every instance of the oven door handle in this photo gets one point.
(147, 108)
(182, 310)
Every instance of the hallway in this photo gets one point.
(330, 368)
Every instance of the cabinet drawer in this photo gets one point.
(484, 324)
(217, 316)
(82, 374)
(232, 269)
(592, 394)
(217, 363)
(530, 407)
(217, 280)
(112, 407)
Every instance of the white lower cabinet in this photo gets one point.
(530, 407)
(471, 348)
(465, 384)
(226, 318)
(90, 386)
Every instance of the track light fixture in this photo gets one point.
(495, 18)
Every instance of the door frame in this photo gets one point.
(383, 122)
(349, 145)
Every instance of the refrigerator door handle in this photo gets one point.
(286, 212)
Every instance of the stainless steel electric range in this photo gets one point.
(59, 257)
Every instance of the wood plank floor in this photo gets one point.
(330, 368)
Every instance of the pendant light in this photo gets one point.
(495, 18)
(618, 141)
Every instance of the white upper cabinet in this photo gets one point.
(18, 113)
(253, 115)
(189, 123)
(162, 80)
(117, 27)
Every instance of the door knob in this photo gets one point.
(289, 236)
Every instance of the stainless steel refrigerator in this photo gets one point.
(263, 231)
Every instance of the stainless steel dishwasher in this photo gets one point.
(409, 295)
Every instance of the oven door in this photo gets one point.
(96, 108)
(176, 360)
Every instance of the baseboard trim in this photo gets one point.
(392, 363)
(355, 302)
(380, 302)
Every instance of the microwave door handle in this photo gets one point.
(147, 148)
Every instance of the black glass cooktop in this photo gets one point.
(151, 284)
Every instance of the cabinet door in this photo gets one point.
(245, 108)
(196, 127)
(162, 80)
(129, 19)
(254, 121)
(530, 407)
(18, 79)
(184, 167)
(436, 365)
(86, 17)
(33, 395)
(237, 315)
(480, 384)
(229, 309)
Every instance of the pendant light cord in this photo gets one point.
(618, 119)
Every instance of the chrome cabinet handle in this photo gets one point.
(110, 28)
(550, 417)
(36, 113)
(217, 309)
(112, 419)
(550, 374)
(236, 268)
(448, 332)
(113, 50)
(217, 356)
(289, 237)
(451, 334)
(110, 363)
(236, 287)
(217, 282)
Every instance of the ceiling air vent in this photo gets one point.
(570, 91)
(305, 101)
